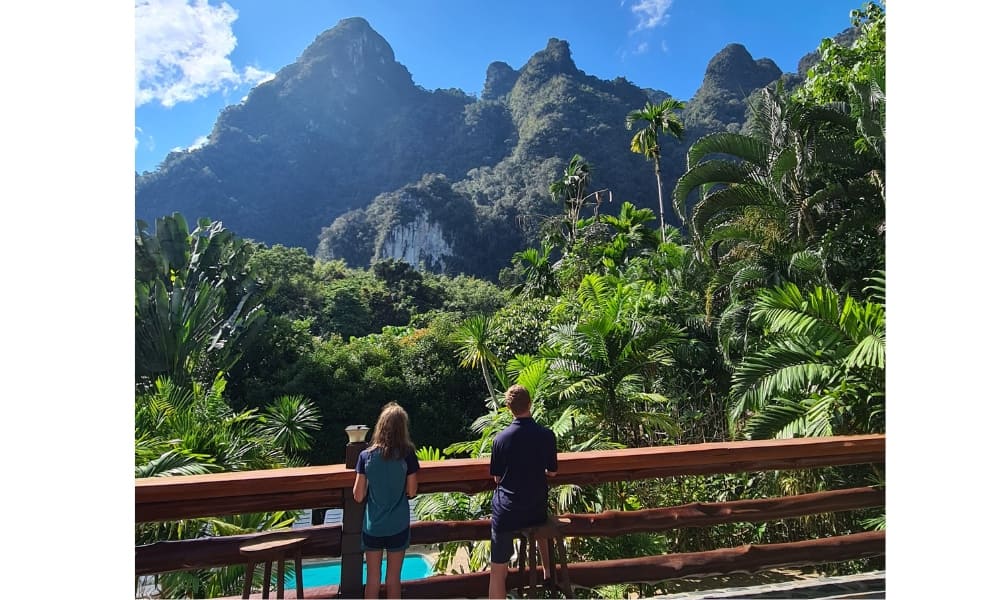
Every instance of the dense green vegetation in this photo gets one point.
(762, 316)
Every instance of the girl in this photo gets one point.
(387, 474)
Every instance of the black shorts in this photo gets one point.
(502, 542)
(501, 545)
(389, 543)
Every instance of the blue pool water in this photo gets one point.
(415, 566)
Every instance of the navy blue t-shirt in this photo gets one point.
(521, 454)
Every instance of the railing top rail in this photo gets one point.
(473, 474)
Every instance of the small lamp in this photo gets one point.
(356, 433)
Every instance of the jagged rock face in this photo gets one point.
(500, 79)
(331, 131)
(420, 243)
(338, 145)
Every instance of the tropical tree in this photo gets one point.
(197, 303)
(608, 359)
(793, 200)
(191, 430)
(659, 118)
(841, 66)
(629, 238)
(474, 350)
(537, 278)
(820, 369)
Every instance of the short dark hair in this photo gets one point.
(518, 399)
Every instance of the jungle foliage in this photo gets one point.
(761, 316)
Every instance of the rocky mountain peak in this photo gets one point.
(351, 42)
(733, 69)
(554, 59)
(500, 80)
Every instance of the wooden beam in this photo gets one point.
(324, 540)
(208, 552)
(744, 559)
(168, 498)
(698, 514)
(652, 569)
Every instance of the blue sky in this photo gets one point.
(194, 57)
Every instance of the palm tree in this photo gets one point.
(609, 359)
(659, 118)
(197, 303)
(538, 278)
(189, 430)
(473, 351)
(571, 189)
(821, 369)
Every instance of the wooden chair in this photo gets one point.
(551, 532)
(274, 547)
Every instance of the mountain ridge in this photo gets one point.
(326, 155)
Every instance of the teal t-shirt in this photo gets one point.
(387, 511)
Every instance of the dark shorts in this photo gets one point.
(502, 542)
(389, 543)
(501, 546)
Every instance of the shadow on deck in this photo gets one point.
(860, 586)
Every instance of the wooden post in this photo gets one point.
(318, 516)
(351, 564)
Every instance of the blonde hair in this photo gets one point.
(392, 433)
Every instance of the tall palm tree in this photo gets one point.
(571, 189)
(474, 351)
(659, 118)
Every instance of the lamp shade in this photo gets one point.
(356, 433)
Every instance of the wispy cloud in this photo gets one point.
(651, 13)
(642, 48)
(198, 143)
(143, 138)
(182, 51)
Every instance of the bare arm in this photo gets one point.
(360, 488)
(411, 485)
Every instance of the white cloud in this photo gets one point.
(651, 13)
(182, 51)
(642, 48)
(198, 143)
(255, 76)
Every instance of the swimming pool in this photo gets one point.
(415, 566)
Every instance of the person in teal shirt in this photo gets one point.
(387, 476)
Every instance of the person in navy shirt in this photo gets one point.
(387, 475)
(522, 460)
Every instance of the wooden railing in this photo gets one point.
(170, 498)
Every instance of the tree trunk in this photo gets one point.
(659, 193)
